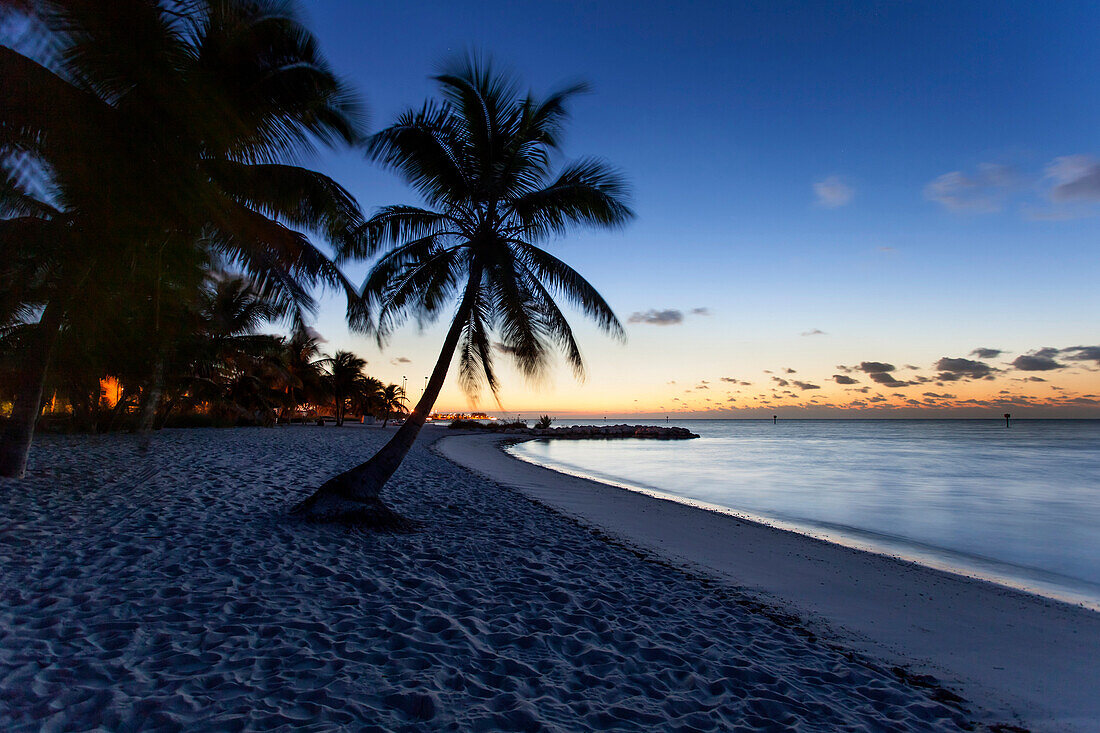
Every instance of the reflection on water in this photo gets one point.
(1021, 505)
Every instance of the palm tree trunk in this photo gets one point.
(15, 441)
(354, 497)
(150, 399)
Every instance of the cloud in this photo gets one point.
(1041, 361)
(805, 385)
(814, 332)
(953, 369)
(981, 193)
(887, 379)
(781, 382)
(985, 353)
(400, 360)
(700, 311)
(314, 334)
(1076, 178)
(871, 367)
(667, 317)
(788, 370)
(841, 379)
(1082, 353)
(832, 192)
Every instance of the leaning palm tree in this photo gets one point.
(166, 133)
(482, 161)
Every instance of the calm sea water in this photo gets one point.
(1020, 506)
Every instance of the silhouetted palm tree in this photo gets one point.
(165, 133)
(392, 400)
(482, 161)
(304, 365)
(346, 381)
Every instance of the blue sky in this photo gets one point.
(914, 179)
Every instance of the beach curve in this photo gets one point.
(1010, 652)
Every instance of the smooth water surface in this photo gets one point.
(1019, 505)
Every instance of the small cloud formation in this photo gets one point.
(700, 311)
(985, 353)
(1082, 353)
(1040, 361)
(872, 367)
(814, 332)
(1076, 178)
(842, 379)
(668, 317)
(832, 192)
(805, 385)
(788, 370)
(781, 382)
(981, 193)
(953, 369)
(887, 379)
(314, 334)
(400, 360)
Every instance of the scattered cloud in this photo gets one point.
(665, 317)
(1082, 353)
(842, 379)
(668, 317)
(314, 334)
(814, 332)
(983, 352)
(781, 382)
(400, 360)
(832, 192)
(980, 193)
(1040, 361)
(788, 370)
(953, 369)
(1076, 178)
(871, 367)
(887, 379)
(805, 385)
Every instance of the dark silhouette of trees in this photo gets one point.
(150, 141)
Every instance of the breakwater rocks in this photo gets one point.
(610, 431)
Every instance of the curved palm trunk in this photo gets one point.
(15, 441)
(353, 497)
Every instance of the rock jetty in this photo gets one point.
(610, 431)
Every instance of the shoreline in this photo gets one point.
(1008, 651)
(1032, 581)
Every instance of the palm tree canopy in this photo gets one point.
(176, 124)
(482, 160)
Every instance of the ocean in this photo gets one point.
(1018, 506)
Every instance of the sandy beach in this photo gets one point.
(169, 591)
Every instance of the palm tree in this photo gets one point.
(482, 161)
(346, 381)
(166, 135)
(392, 399)
(304, 366)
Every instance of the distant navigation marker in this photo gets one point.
(1007, 416)
(775, 419)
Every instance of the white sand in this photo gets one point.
(1012, 653)
(171, 592)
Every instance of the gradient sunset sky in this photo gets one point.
(844, 209)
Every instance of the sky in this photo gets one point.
(862, 209)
